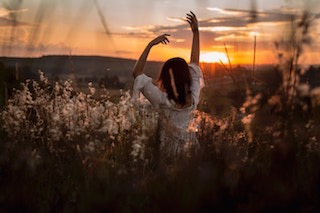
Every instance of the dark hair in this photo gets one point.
(182, 79)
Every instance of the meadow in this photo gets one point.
(66, 150)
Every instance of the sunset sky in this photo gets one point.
(122, 28)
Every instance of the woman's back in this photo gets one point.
(173, 130)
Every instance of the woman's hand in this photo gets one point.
(139, 66)
(192, 20)
(195, 49)
(160, 39)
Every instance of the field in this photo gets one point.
(64, 149)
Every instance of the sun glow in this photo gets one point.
(213, 57)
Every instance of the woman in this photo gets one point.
(177, 92)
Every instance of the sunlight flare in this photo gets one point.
(213, 57)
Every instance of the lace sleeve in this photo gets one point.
(143, 83)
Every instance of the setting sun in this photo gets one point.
(213, 57)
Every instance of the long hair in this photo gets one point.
(175, 80)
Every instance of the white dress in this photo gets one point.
(174, 132)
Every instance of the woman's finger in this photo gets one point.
(161, 39)
(189, 16)
(193, 14)
(165, 41)
(192, 20)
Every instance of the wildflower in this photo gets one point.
(43, 78)
(247, 119)
(304, 89)
(55, 117)
(92, 90)
(90, 147)
(247, 123)
(313, 139)
(110, 126)
(34, 159)
(138, 147)
(56, 88)
(315, 96)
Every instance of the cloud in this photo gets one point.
(124, 52)
(229, 26)
(176, 19)
(4, 12)
(226, 12)
(9, 17)
(20, 47)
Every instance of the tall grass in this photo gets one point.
(64, 150)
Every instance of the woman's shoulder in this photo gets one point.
(142, 77)
(195, 69)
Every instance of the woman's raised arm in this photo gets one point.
(139, 66)
(195, 49)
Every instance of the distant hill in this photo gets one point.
(116, 72)
(64, 66)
